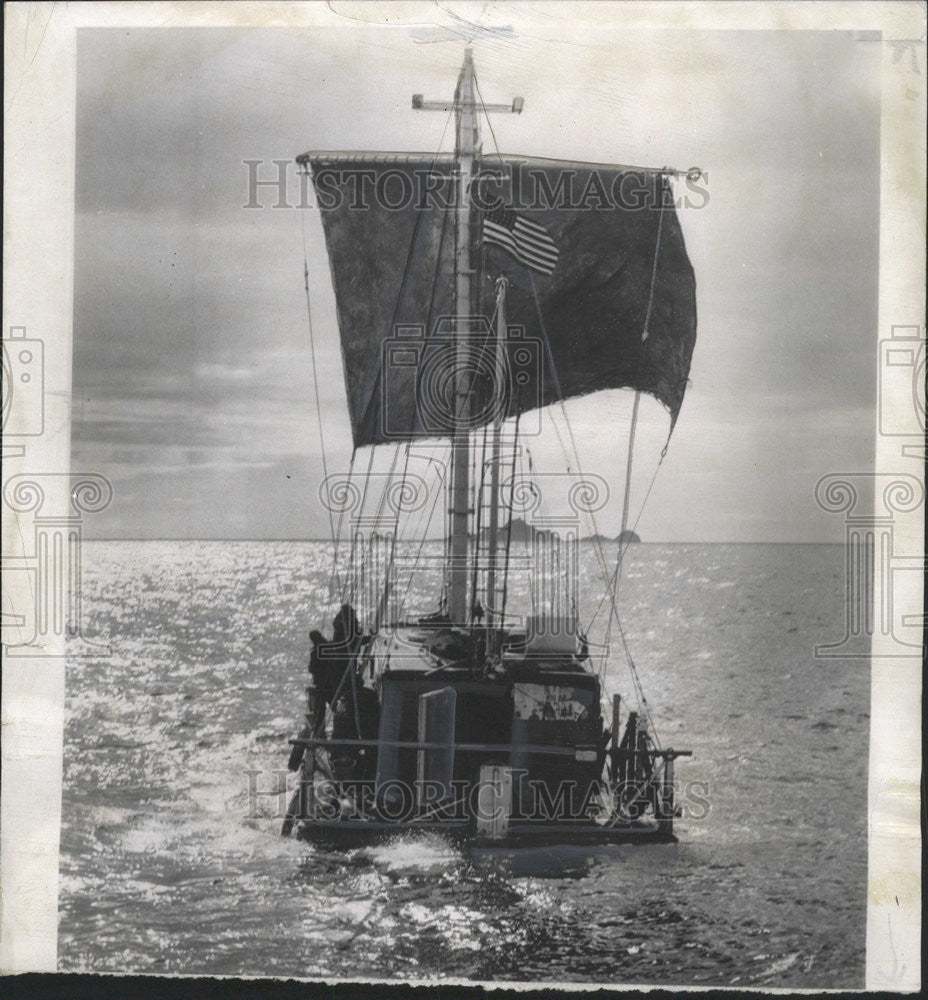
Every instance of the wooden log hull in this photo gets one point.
(341, 834)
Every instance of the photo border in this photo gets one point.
(39, 161)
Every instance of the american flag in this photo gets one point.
(528, 242)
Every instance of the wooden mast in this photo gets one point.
(494, 613)
(466, 149)
(466, 153)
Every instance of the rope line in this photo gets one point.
(312, 354)
(424, 536)
(625, 541)
(335, 576)
(516, 452)
(657, 250)
(486, 115)
(378, 378)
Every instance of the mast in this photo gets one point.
(466, 149)
(466, 152)
(494, 614)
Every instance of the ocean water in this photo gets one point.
(176, 749)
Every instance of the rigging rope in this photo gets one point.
(336, 576)
(428, 327)
(396, 307)
(333, 581)
(405, 278)
(424, 536)
(478, 520)
(512, 485)
(598, 547)
(657, 250)
(486, 115)
(553, 370)
(625, 541)
(516, 452)
(613, 578)
(354, 534)
(385, 492)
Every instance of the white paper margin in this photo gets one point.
(39, 161)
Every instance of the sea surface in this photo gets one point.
(175, 755)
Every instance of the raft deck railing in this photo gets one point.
(632, 757)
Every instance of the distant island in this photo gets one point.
(625, 538)
(521, 531)
(524, 532)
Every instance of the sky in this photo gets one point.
(193, 383)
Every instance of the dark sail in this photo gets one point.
(618, 310)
